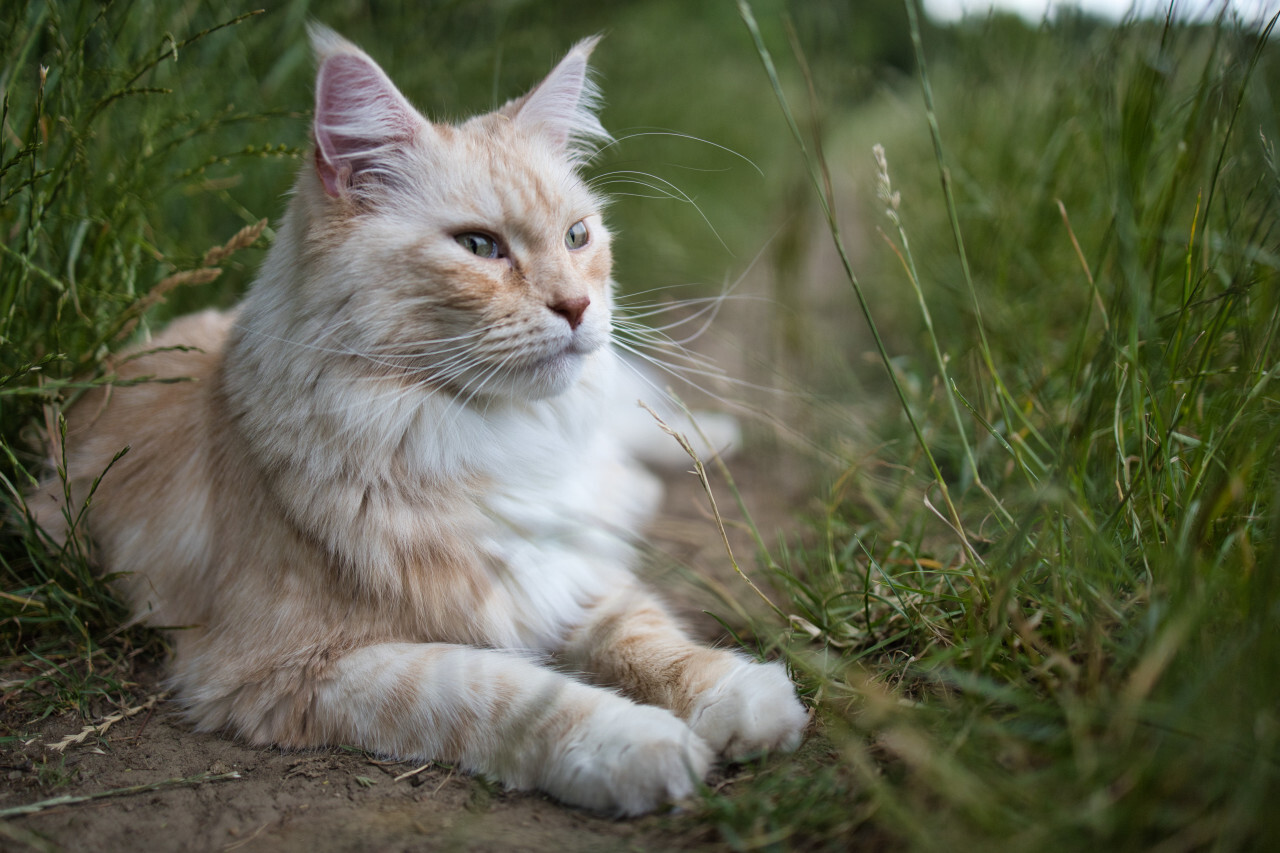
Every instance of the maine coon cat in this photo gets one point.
(388, 510)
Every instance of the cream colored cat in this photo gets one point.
(389, 510)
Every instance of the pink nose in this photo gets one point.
(572, 309)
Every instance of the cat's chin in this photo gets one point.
(555, 375)
(539, 380)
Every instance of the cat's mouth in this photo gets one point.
(570, 356)
(555, 372)
(578, 346)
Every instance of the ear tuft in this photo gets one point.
(562, 108)
(361, 118)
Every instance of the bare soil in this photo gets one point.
(342, 799)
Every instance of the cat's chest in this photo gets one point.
(548, 556)
(555, 538)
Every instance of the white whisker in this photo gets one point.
(664, 186)
(617, 140)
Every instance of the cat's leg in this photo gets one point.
(738, 706)
(495, 713)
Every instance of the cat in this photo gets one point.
(387, 509)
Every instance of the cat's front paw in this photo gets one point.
(752, 709)
(628, 759)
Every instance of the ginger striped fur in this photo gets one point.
(387, 505)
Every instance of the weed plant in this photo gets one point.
(1063, 633)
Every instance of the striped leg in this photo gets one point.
(506, 717)
(739, 707)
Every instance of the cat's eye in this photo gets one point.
(577, 236)
(480, 245)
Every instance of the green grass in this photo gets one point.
(1057, 628)
(1039, 610)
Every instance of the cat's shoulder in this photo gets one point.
(190, 346)
(205, 331)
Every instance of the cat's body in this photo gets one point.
(391, 493)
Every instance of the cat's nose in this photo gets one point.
(571, 309)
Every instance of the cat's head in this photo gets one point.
(471, 257)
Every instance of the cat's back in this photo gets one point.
(193, 343)
(152, 398)
(153, 421)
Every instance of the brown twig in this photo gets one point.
(410, 773)
(150, 712)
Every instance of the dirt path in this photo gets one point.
(333, 800)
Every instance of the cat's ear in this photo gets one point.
(562, 108)
(361, 118)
